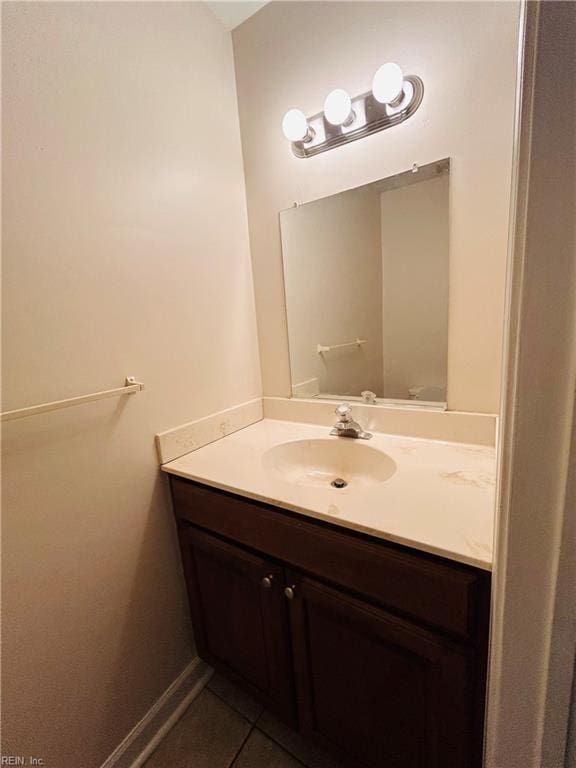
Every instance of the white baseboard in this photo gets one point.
(162, 716)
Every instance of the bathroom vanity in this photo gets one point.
(376, 648)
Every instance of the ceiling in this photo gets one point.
(233, 12)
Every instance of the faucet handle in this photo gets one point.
(343, 412)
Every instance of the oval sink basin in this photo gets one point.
(326, 463)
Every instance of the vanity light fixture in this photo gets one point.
(338, 108)
(296, 128)
(394, 98)
(388, 84)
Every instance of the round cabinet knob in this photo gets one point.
(289, 592)
(267, 581)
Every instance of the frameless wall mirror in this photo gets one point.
(366, 281)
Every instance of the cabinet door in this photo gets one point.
(239, 617)
(377, 688)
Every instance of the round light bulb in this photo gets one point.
(338, 107)
(388, 83)
(295, 126)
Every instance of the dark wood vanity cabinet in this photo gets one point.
(379, 688)
(239, 616)
(375, 650)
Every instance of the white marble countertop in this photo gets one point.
(441, 498)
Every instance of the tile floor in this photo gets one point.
(226, 728)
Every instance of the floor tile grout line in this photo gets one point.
(254, 726)
(239, 752)
(279, 744)
(235, 709)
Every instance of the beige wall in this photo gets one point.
(415, 267)
(292, 54)
(333, 274)
(117, 180)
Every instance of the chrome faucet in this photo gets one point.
(346, 426)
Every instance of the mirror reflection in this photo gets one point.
(366, 281)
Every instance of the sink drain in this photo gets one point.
(338, 483)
